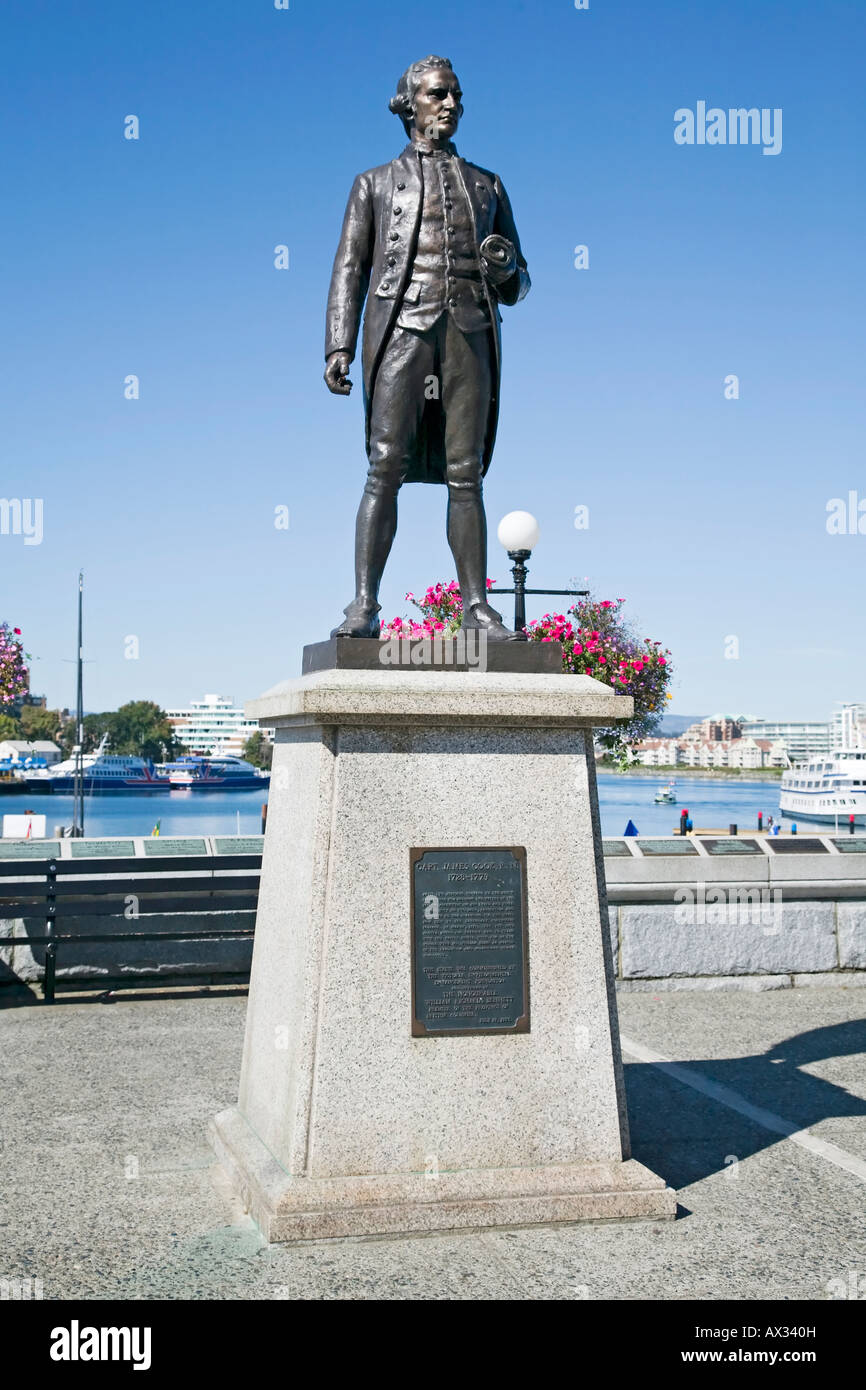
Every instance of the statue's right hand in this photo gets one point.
(337, 373)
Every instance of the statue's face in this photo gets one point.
(437, 104)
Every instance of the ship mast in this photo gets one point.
(78, 779)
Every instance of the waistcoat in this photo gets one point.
(446, 271)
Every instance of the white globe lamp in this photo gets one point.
(518, 532)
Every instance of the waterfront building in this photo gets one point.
(803, 739)
(213, 727)
(17, 750)
(748, 752)
(709, 753)
(848, 727)
(657, 752)
(718, 728)
(722, 740)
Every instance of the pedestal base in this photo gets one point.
(348, 1122)
(298, 1208)
(470, 651)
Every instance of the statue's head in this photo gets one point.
(428, 98)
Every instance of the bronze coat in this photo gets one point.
(380, 227)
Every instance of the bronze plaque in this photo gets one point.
(470, 967)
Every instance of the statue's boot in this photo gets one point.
(467, 537)
(360, 620)
(486, 619)
(374, 534)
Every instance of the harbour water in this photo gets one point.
(711, 803)
(129, 813)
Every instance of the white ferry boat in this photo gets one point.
(667, 794)
(225, 773)
(829, 785)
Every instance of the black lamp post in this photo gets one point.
(518, 569)
(518, 532)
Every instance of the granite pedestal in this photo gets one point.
(346, 1123)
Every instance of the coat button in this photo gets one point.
(392, 260)
(401, 186)
(385, 285)
(394, 236)
(397, 212)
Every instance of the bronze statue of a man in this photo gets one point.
(433, 239)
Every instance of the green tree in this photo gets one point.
(9, 727)
(139, 728)
(95, 726)
(41, 723)
(258, 750)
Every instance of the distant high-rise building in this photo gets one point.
(802, 738)
(848, 727)
(213, 726)
(717, 728)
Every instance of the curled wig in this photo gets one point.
(403, 102)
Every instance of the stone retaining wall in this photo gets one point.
(711, 913)
(122, 962)
(715, 913)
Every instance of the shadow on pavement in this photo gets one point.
(685, 1135)
(21, 996)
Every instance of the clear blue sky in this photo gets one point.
(155, 257)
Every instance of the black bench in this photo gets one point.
(61, 889)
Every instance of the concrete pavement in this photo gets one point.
(109, 1189)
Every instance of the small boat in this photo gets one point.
(667, 795)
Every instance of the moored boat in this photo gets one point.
(827, 787)
(100, 772)
(226, 773)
